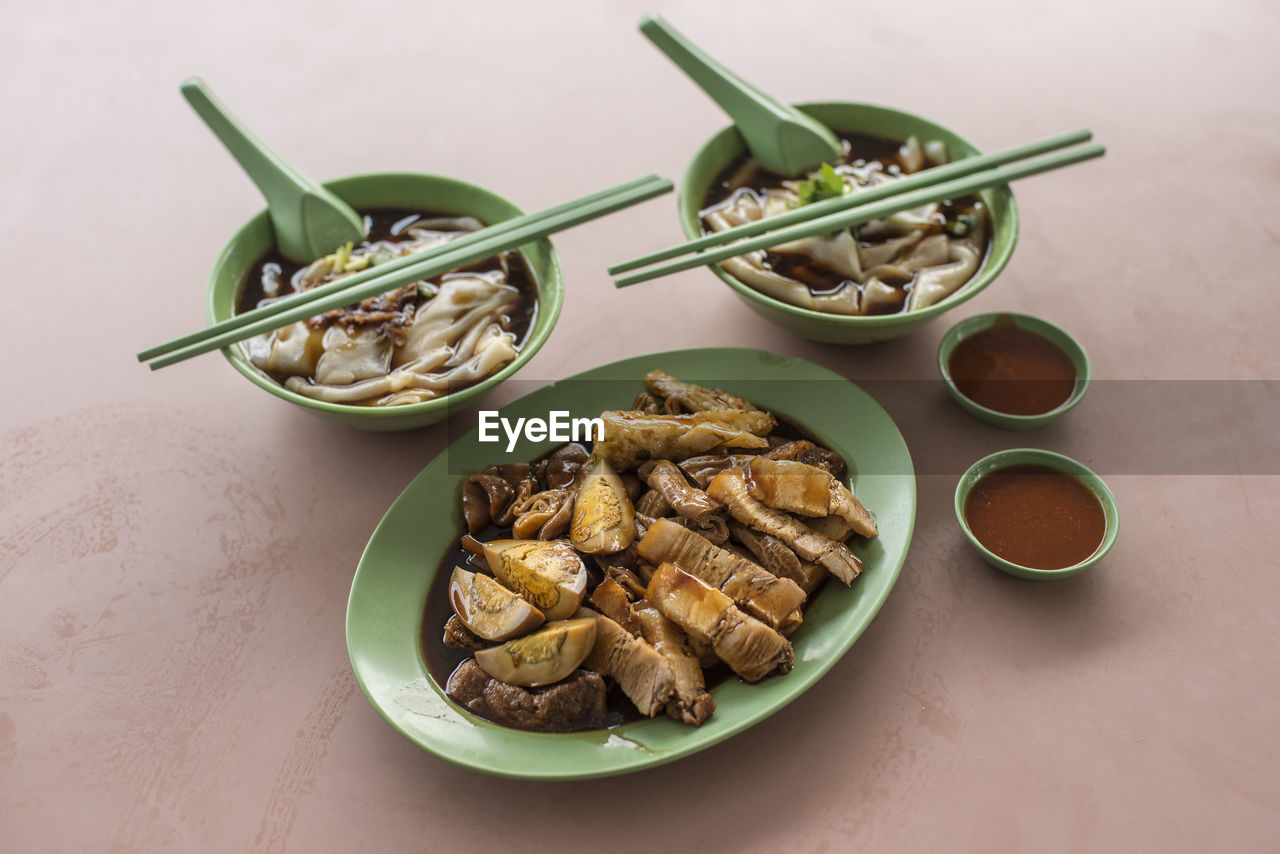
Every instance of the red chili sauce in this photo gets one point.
(1035, 517)
(1011, 370)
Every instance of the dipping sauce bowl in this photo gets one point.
(1013, 371)
(1035, 514)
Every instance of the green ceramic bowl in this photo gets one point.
(841, 329)
(1055, 334)
(1057, 462)
(390, 190)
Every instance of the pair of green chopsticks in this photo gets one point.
(948, 181)
(952, 180)
(388, 276)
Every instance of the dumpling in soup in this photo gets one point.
(413, 344)
(904, 262)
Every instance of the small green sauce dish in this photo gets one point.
(1017, 457)
(1055, 335)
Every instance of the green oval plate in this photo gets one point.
(384, 613)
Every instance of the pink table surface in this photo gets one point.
(177, 548)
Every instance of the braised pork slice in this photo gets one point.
(653, 504)
(730, 487)
(577, 702)
(640, 671)
(777, 557)
(458, 636)
(703, 468)
(628, 579)
(835, 527)
(690, 702)
(630, 438)
(770, 552)
(714, 529)
(646, 402)
(810, 491)
(612, 599)
(804, 451)
(791, 623)
(693, 397)
(665, 477)
(750, 648)
(759, 592)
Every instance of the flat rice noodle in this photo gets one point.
(882, 252)
(879, 298)
(462, 303)
(494, 350)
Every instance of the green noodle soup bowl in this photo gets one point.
(399, 190)
(886, 123)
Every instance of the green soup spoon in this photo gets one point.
(780, 137)
(309, 221)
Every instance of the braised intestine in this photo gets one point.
(906, 262)
(413, 344)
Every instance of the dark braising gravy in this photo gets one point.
(1035, 516)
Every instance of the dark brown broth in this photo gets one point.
(859, 149)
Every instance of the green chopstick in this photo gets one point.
(342, 285)
(865, 213)
(924, 178)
